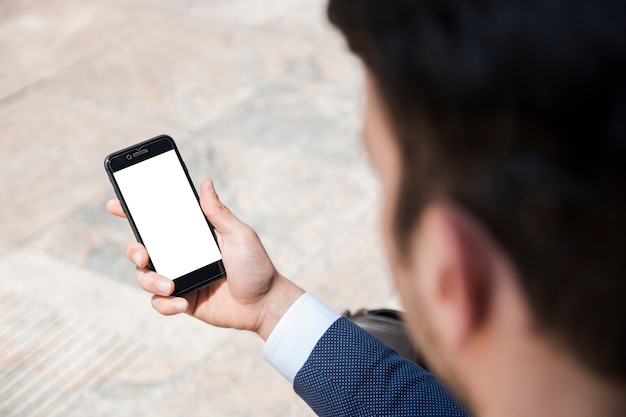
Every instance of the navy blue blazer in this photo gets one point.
(351, 373)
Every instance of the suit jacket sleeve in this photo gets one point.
(351, 373)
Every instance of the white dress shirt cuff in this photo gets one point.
(296, 334)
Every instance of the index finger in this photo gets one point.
(115, 207)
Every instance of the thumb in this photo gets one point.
(220, 216)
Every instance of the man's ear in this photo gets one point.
(453, 260)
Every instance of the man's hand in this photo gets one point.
(253, 296)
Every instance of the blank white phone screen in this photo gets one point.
(167, 215)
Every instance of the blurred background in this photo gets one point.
(260, 95)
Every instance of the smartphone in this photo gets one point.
(162, 206)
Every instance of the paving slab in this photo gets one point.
(42, 37)
(184, 69)
(54, 149)
(71, 337)
(261, 96)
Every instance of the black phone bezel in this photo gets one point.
(136, 154)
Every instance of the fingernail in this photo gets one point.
(165, 286)
(137, 258)
(180, 306)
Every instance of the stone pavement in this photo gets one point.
(261, 96)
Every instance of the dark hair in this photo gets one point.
(517, 111)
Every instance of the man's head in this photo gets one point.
(498, 129)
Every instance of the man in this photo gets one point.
(498, 132)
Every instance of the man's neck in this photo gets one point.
(543, 381)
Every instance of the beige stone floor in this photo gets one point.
(261, 96)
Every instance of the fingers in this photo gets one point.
(149, 280)
(115, 207)
(218, 214)
(169, 305)
(137, 254)
(153, 282)
(156, 284)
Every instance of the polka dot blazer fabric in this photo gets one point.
(351, 373)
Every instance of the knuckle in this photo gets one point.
(224, 209)
(218, 209)
(249, 233)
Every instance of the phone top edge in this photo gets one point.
(111, 167)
